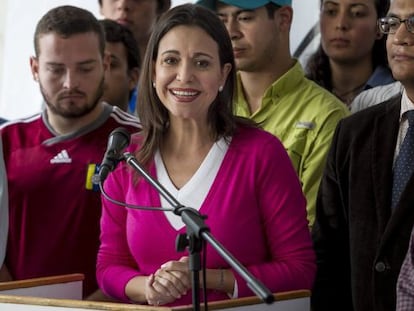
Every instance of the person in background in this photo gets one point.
(52, 157)
(351, 57)
(2, 120)
(364, 213)
(121, 78)
(273, 91)
(405, 284)
(236, 174)
(139, 16)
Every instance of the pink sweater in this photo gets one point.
(255, 208)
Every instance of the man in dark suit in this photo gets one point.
(360, 238)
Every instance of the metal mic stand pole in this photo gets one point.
(196, 230)
(193, 227)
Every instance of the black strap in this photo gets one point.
(312, 33)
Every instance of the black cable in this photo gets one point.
(147, 208)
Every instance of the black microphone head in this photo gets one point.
(118, 140)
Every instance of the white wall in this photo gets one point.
(19, 94)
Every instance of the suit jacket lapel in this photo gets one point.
(385, 138)
(385, 134)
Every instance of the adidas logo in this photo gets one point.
(61, 157)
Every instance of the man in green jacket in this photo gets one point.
(273, 91)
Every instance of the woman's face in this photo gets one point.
(348, 29)
(187, 72)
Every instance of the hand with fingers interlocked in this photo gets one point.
(169, 282)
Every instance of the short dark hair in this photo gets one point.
(117, 33)
(66, 21)
(271, 8)
(163, 5)
(153, 115)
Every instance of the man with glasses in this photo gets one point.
(364, 212)
(371, 97)
(272, 89)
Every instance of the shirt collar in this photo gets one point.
(406, 104)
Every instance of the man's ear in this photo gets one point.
(379, 35)
(106, 61)
(225, 73)
(285, 16)
(133, 78)
(34, 67)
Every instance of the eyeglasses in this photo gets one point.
(390, 24)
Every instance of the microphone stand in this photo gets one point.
(196, 230)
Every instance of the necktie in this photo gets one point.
(404, 164)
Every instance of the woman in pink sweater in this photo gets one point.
(237, 175)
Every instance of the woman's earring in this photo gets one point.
(220, 88)
(153, 84)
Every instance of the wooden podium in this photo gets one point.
(62, 286)
(63, 293)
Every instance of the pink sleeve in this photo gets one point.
(115, 265)
(292, 264)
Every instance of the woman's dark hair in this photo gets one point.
(152, 113)
(318, 68)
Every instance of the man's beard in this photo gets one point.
(73, 112)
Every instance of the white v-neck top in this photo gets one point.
(194, 192)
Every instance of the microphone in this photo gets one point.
(118, 140)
